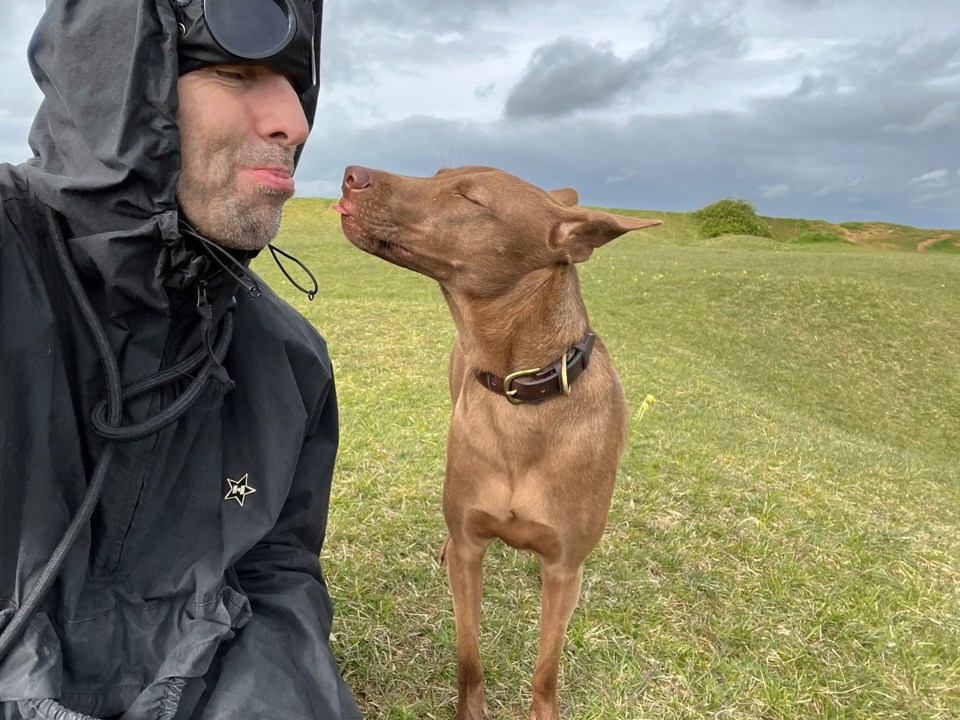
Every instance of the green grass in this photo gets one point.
(784, 540)
(818, 236)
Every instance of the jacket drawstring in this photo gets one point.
(276, 252)
(222, 257)
(208, 360)
(238, 271)
(207, 333)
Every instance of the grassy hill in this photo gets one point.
(785, 535)
(683, 229)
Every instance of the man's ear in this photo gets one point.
(565, 196)
(582, 231)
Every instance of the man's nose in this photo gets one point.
(279, 115)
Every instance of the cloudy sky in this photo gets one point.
(824, 109)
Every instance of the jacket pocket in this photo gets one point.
(144, 655)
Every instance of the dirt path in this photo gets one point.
(922, 246)
(868, 237)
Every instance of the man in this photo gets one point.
(168, 426)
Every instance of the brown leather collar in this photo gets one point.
(538, 384)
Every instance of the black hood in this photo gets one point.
(105, 140)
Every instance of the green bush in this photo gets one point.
(731, 217)
(852, 225)
(817, 236)
(946, 245)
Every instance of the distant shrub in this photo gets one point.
(731, 217)
(852, 225)
(817, 236)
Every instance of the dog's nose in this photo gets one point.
(356, 178)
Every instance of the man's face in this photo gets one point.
(239, 128)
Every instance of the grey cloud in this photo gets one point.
(934, 179)
(485, 91)
(908, 59)
(946, 115)
(20, 95)
(869, 132)
(694, 32)
(896, 87)
(18, 19)
(422, 16)
(568, 75)
(856, 149)
(817, 84)
(361, 35)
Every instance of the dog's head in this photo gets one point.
(473, 229)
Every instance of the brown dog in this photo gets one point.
(539, 417)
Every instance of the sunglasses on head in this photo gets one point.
(282, 33)
(251, 29)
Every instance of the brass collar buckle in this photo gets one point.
(509, 391)
(542, 383)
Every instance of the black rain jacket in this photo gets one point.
(177, 601)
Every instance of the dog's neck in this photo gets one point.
(530, 325)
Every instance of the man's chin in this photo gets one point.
(240, 225)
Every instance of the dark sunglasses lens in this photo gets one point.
(250, 28)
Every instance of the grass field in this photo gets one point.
(785, 534)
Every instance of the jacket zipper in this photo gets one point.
(204, 309)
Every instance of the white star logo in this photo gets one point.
(239, 489)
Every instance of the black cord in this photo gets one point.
(222, 257)
(172, 413)
(225, 260)
(309, 293)
(113, 412)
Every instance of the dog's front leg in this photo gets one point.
(465, 570)
(560, 591)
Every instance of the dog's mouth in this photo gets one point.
(365, 238)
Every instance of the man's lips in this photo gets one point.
(274, 177)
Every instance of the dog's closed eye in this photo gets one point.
(467, 197)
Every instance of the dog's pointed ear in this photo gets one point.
(565, 196)
(581, 231)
